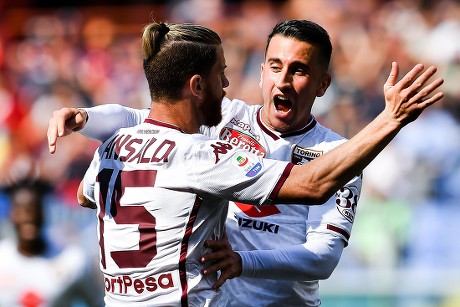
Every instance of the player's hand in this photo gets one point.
(223, 259)
(82, 200)
(405, 100)
(64, 122)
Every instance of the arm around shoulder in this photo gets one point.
(104, 120)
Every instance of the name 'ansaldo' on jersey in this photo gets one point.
(138, 150)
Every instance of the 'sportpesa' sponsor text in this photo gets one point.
(123, 284)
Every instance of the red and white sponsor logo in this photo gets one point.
(124, 284)
(242, 140)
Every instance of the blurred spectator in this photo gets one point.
(33, 271)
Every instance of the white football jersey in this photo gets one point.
(278, 226)
(159, 195)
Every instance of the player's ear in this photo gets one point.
(325, 82)
(196, 86)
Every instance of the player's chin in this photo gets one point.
(281, 124)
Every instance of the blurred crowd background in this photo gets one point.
(404, 249)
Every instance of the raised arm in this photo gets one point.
(319, 256)
(404, 102)
(97, 123)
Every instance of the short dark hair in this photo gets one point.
(39, 186)
(172, 53)
(305, 31)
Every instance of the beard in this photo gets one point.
(212, 110)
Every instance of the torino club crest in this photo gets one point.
(301, 155)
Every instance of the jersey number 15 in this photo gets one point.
(127, 215)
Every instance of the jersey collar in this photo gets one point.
(162, 124)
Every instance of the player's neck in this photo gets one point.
(181, 114)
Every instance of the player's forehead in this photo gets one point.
(289, 49)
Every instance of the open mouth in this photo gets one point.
(282, 104)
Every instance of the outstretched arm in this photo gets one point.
(97, 123)
(404, 102)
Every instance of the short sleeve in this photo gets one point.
(235, 174)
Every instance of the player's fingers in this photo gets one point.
(215, 267)
(224, 264)
(52, 136)
(212, 244)
(428, 102)
(213, 256)
(220, 281)
(392, 78)
(427, 74)
(216, 246)
(432, 86)
(229, 272)
(418, 83)
(409, 78)
(60, 117)
(420, 94)
(56, 127)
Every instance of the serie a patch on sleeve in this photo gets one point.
(246, 164)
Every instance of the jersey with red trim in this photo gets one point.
(160, 194)
(278, 226)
